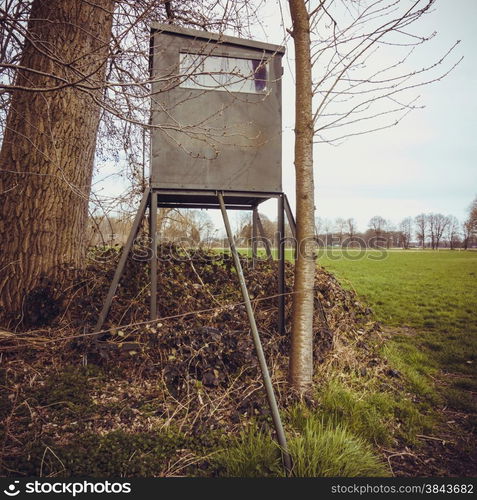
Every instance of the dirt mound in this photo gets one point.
(199, 305)
(202, 331)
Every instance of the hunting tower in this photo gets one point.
(216, 116)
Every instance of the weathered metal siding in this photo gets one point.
(214, 139)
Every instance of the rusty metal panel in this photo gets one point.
(210, 130)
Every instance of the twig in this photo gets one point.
(431, 438)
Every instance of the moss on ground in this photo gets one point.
(117, 454)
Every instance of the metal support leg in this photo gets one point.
(254, 236)
(122, 261)
(291, 222)
(153, 236)
(290, 217)
(256, 340)
(264, 238)
(281, 264)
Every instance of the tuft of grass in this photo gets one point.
(251, 454)
(460, 400)
(324, 450)
(411, 420)
(465, 383)
(366, 414)
(318, 449)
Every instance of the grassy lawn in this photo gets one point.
(426, 290)
(434, 293)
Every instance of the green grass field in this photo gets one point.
(435, 294)
(434, 290)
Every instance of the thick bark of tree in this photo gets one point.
(301, 356)
(48, 148)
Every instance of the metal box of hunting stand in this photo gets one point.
(216, 112)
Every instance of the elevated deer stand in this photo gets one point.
(215, 143)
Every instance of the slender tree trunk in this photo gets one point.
(301, 356)
(48, 148)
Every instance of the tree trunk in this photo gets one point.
(47, 154)
(301, 356)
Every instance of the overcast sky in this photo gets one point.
(425, 164)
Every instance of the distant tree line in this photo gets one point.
(426, 230)
(431, 230)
